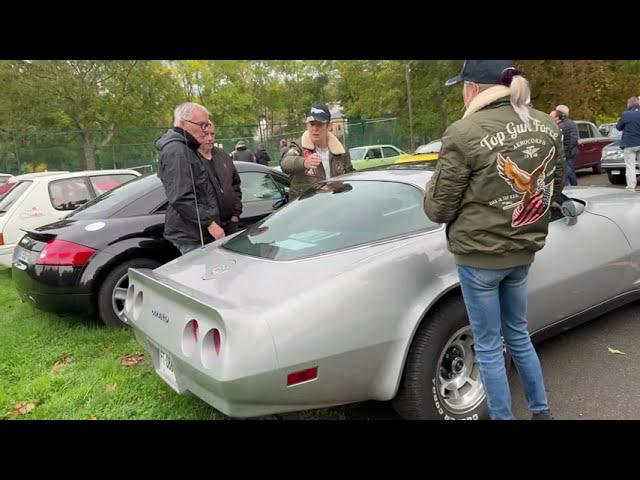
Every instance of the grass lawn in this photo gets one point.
(72, 367)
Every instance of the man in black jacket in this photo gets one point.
(193, 214)
(569, 139)
(225, 180)
(262, 157)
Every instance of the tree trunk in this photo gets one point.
(89, 152)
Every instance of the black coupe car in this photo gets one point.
(80, 263)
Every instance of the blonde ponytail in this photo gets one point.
(520, 97)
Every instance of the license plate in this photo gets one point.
(615, 172)
(166, 367)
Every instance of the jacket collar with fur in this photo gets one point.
(487, 97)
(335, 147)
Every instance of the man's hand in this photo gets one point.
(235, 219)
(216, 231)
(312, 161)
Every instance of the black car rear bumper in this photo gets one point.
(51, 288)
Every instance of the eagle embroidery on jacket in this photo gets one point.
(535, 193)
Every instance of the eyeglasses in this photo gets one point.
(203, 125)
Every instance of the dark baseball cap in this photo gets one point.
(319, 113)
(481, 71)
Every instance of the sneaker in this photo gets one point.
(542, 416)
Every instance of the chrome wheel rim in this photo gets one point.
(119, 295)
(458, 383)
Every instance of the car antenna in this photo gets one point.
(193, 187)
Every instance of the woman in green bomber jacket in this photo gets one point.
(499, 167)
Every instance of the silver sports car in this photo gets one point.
(350, 294)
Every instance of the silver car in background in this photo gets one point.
(349, 294)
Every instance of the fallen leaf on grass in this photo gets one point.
(111, 387)
(132, 360)
(23, 408)
(613, 350)
(95, 417)
(61, 363)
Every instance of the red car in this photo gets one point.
(590, 145)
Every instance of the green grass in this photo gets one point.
(70, 367)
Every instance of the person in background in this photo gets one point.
(318, 155)
(242, 153)
(262, 157)
(629, 125)
(225, 180)
(570, 142)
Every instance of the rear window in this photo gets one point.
(69, 193)
(13, 195)
(104, 183)
(335, 215)
(118, 198)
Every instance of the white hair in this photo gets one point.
(184, 111)
(520, 97)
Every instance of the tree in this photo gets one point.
(90, 97)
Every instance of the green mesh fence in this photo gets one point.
(133, 147)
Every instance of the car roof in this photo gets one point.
(417, 174)
(62, 175)
(253, 167)
(28, 176)
(377, 146)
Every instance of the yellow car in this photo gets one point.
(424, 153)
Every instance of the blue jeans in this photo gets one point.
(186, 247)
(496, 302)
(569, 172)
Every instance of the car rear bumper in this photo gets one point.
(50, 288)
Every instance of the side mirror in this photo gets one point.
(280, 203)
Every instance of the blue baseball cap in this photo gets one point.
(481, 71)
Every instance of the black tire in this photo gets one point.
(419, 395)
(616, 179)
(106, 309)
(597, 169)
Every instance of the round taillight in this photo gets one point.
(190, 337)
(210, 349)
(137, 305)
(128, 301)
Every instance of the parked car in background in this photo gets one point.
(424, 153)
(80, 263)
(590, 145)
(40, 198)
(4, 178)
(372, 309)
(374, 156)
(610, 130)
(612, 163)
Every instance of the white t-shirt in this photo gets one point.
(324, 156)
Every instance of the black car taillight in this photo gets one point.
(63, 253)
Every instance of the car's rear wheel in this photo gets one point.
(597, 169)
(441, 378)
(616, 179)
(113, 291)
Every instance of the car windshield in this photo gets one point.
(357, 153)
(335, 215)
(107, 203)
(13, 195)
